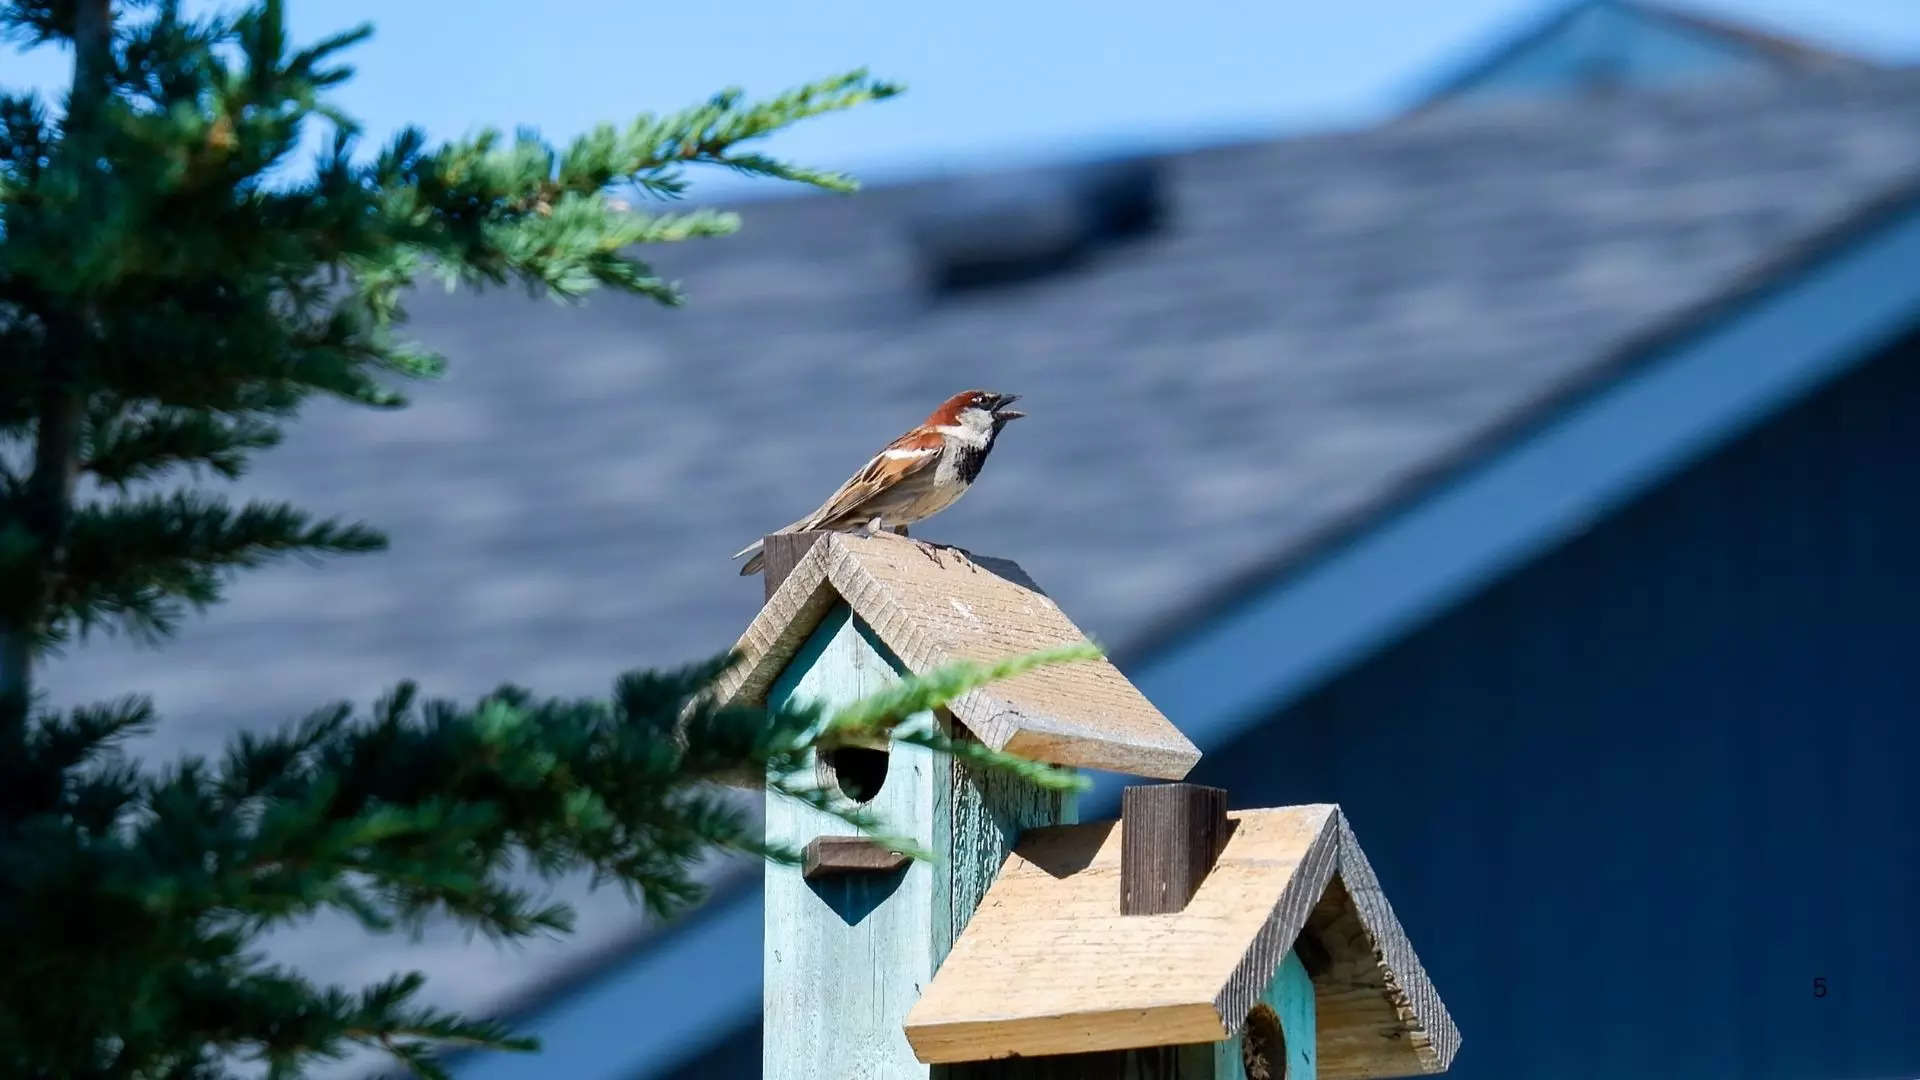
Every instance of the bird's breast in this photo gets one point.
(960, 465)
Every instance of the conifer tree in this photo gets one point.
(172, 290)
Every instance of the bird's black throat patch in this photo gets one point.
(969, 462)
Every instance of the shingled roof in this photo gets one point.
(1601, 46)
(1312, 323)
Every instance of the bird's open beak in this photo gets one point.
(1000, 410)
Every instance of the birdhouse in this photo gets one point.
(1183, 940)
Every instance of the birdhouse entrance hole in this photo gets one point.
(1263, 1044)
(856, 771)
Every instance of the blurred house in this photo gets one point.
(1532, 474)
(1535, 475)
(1590, 47)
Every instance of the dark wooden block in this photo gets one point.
(1170, 835)
(829, 855)
(782, 552)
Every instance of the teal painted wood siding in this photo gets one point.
(844, 952)
(1290, 996)
(847, 956)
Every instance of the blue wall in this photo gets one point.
(1633, 800)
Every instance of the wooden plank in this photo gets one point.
(1268, 946)
(1050, 966)
(780, 553)
(1379, 1014)
(1194, 1061)
(1170, 834)
(847, 954)
(932, 610)
(844, 952)
(827, 856)
(1279, 1032)
(983, 813)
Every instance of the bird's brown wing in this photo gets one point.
(900, 460)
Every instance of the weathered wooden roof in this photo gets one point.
(931, 611)
(1048, 965)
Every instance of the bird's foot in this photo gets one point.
(937, 551)
(933, 550)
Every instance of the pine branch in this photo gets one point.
(136, 564)
(902, 713)
(25, 141)
(172, 290)
(122, 448)
(416, 809)
(34, 22)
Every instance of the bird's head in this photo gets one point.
(976, 410)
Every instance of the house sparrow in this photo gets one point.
(913, 477)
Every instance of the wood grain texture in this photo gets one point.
(983, 814)
(1286, 916)
(826, 856)
(1289, 999)
(1169, 836)
(847, 954)
(844, 953)
(934, 609)
(1049, 966)
(1193, 1061)
(780, 553)
(1379, 1014)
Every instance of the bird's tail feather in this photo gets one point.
(753, 565)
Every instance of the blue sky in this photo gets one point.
(989, 81)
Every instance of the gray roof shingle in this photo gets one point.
(1597, 44)
(1320, 317)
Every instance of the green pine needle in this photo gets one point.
(176, 285)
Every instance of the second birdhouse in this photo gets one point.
(1185, 942)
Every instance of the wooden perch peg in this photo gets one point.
(1170, 836)
(828, 856)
